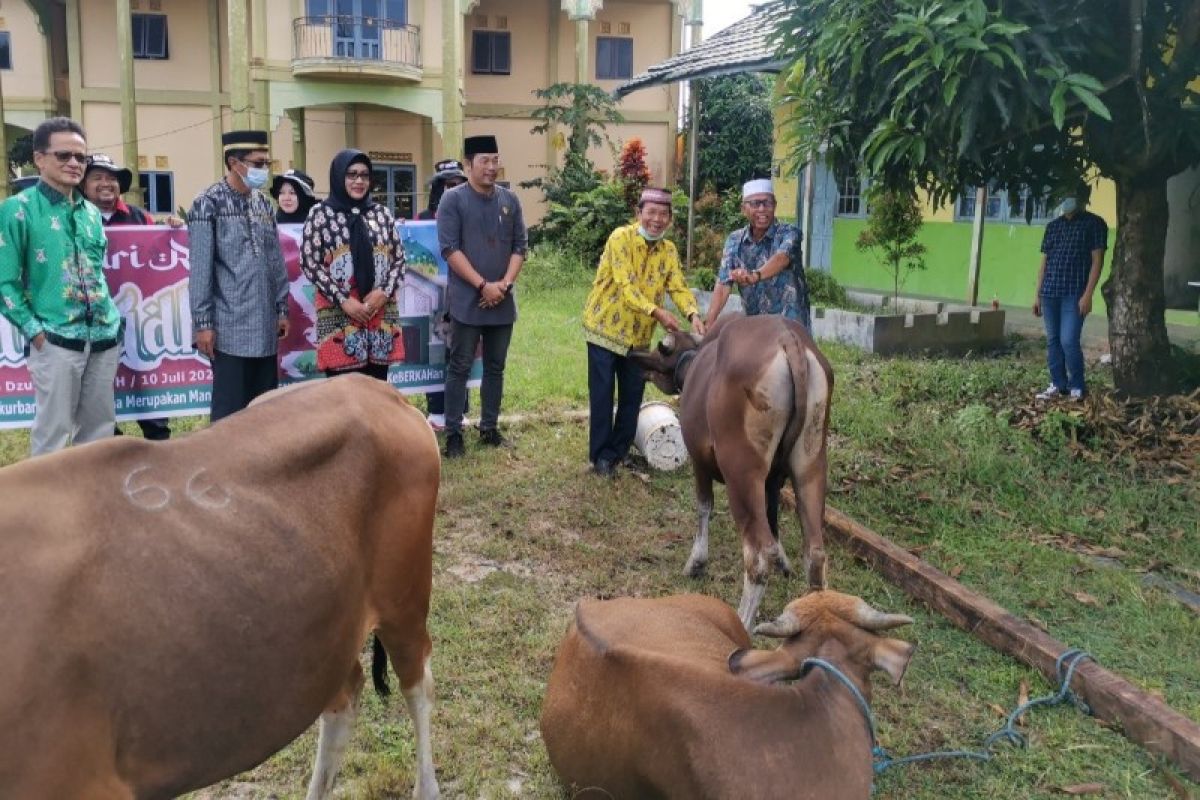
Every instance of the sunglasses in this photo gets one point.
(760, 203)
(65, 156)
(259, 164)
(358, 176)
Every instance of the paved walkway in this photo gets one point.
(1021, 321)
(1095, 330)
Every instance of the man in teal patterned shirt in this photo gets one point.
(52, 289)
(763, 259)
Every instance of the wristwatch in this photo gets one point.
(508, 286)
(482, 283)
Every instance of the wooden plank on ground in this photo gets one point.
(1145, 719)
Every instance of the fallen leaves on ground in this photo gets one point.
(1164, 430)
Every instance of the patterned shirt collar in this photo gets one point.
(768, 236)
(54, 196)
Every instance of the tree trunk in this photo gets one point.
(1137, 328)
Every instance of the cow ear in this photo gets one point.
(892, 656)
(764, 666)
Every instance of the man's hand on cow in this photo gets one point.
(698, 326)
(284, 326)
(666, 319)
(356, 310)
(740, 276)
(206, 341)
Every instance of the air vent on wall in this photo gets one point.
(605, 28)
(501, 23)
(156, 5)
(623, 28)
(162, 162)
(480, 20)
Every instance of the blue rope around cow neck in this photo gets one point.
(1064, 667)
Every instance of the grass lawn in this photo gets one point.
(923, 451)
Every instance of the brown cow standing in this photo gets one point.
(754, 411)
(173, 613)
(662, 698)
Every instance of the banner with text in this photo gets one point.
(160, 375)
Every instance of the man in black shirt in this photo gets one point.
(103, 184)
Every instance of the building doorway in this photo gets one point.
(395, 186)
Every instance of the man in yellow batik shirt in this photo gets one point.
(638, 269)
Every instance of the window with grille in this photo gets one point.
(158, 189)
(851, 190)
(150, 36)
(5, 50)
(1000, 208)
(491, 52)
(614, 58)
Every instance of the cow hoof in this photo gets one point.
(815, 569)
(695, 569)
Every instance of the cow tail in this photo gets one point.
(379, 667)
(794, 347)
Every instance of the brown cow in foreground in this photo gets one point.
(664, 699)
(173, 613)
(754, 412)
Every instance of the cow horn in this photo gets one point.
(785, 626)
(871, 619)
(667, 345)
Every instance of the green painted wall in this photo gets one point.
(1011, 254)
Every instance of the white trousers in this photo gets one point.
(74, 395)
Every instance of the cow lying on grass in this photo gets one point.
(175, 612)
(664, 698)
(754, 412)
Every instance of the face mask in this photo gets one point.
(1069, 205)
(256, 177)
(645, 234)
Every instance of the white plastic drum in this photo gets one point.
(659, 437)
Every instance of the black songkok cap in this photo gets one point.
(245, 140)
(474, 145)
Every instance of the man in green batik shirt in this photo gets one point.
(52, 289)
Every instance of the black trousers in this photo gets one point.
(464, 341)
(156, 430)
(377, 371)
(608, 438)
(237, 380)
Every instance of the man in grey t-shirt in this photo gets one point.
(481, 233)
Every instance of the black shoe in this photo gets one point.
(454, 446)
(605, 468)
(492, 438)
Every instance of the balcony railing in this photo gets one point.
(357, 46)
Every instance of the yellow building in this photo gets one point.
(156, 82)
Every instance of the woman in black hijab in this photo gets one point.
(293, 192)
(352, 253)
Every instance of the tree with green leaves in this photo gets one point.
(947, 94)
(893, 224)
(584, 111)
(736, 130)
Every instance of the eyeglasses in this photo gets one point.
(261, 163)
(64, 156)
(760, 203)
(355, 175)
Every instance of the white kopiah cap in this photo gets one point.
(759, 186)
